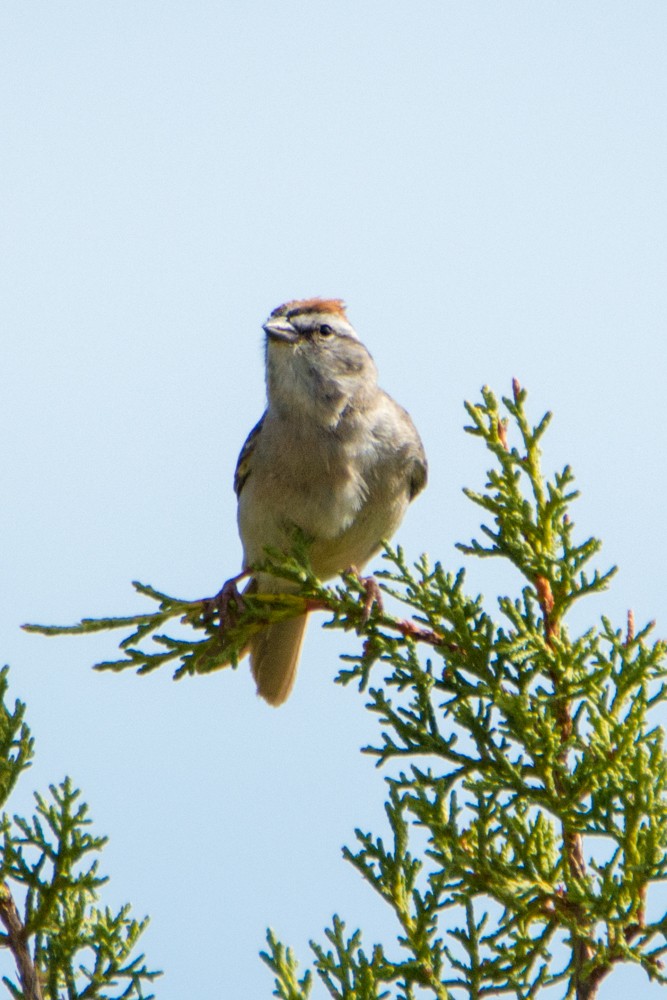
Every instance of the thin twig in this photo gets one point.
(17, 944)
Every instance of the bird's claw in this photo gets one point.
(372, 593)
(226, 606)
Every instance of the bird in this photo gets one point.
(333, 456)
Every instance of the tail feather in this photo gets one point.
(274, 657)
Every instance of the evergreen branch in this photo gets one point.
(538, 746)
(16, 744)
(528, 747)
(284, 966)
(223, 646)
(47, 856)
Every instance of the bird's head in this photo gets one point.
(315, 361)
(309, 319)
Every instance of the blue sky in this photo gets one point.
(484, 184)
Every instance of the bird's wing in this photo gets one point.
(244, 464)
(418, 476)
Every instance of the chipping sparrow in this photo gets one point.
(333, 455)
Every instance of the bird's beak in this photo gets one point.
(280, 329)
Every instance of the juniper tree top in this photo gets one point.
(525, 755)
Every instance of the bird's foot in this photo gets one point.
(372, 592)
(227, 604)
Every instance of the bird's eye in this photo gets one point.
(326, 330)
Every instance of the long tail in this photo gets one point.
(274, 657)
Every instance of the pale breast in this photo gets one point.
(307, 479)
(347, 489)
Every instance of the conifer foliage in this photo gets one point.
(525, 769)
(64, 946)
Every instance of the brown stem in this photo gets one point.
(546, 601)
(586, 989)
(408, 629)
(589, 989)
(501, 427)
(16, 941)
(583, 951)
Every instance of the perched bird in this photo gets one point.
(333, 455)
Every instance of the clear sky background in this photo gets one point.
(485, 185)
